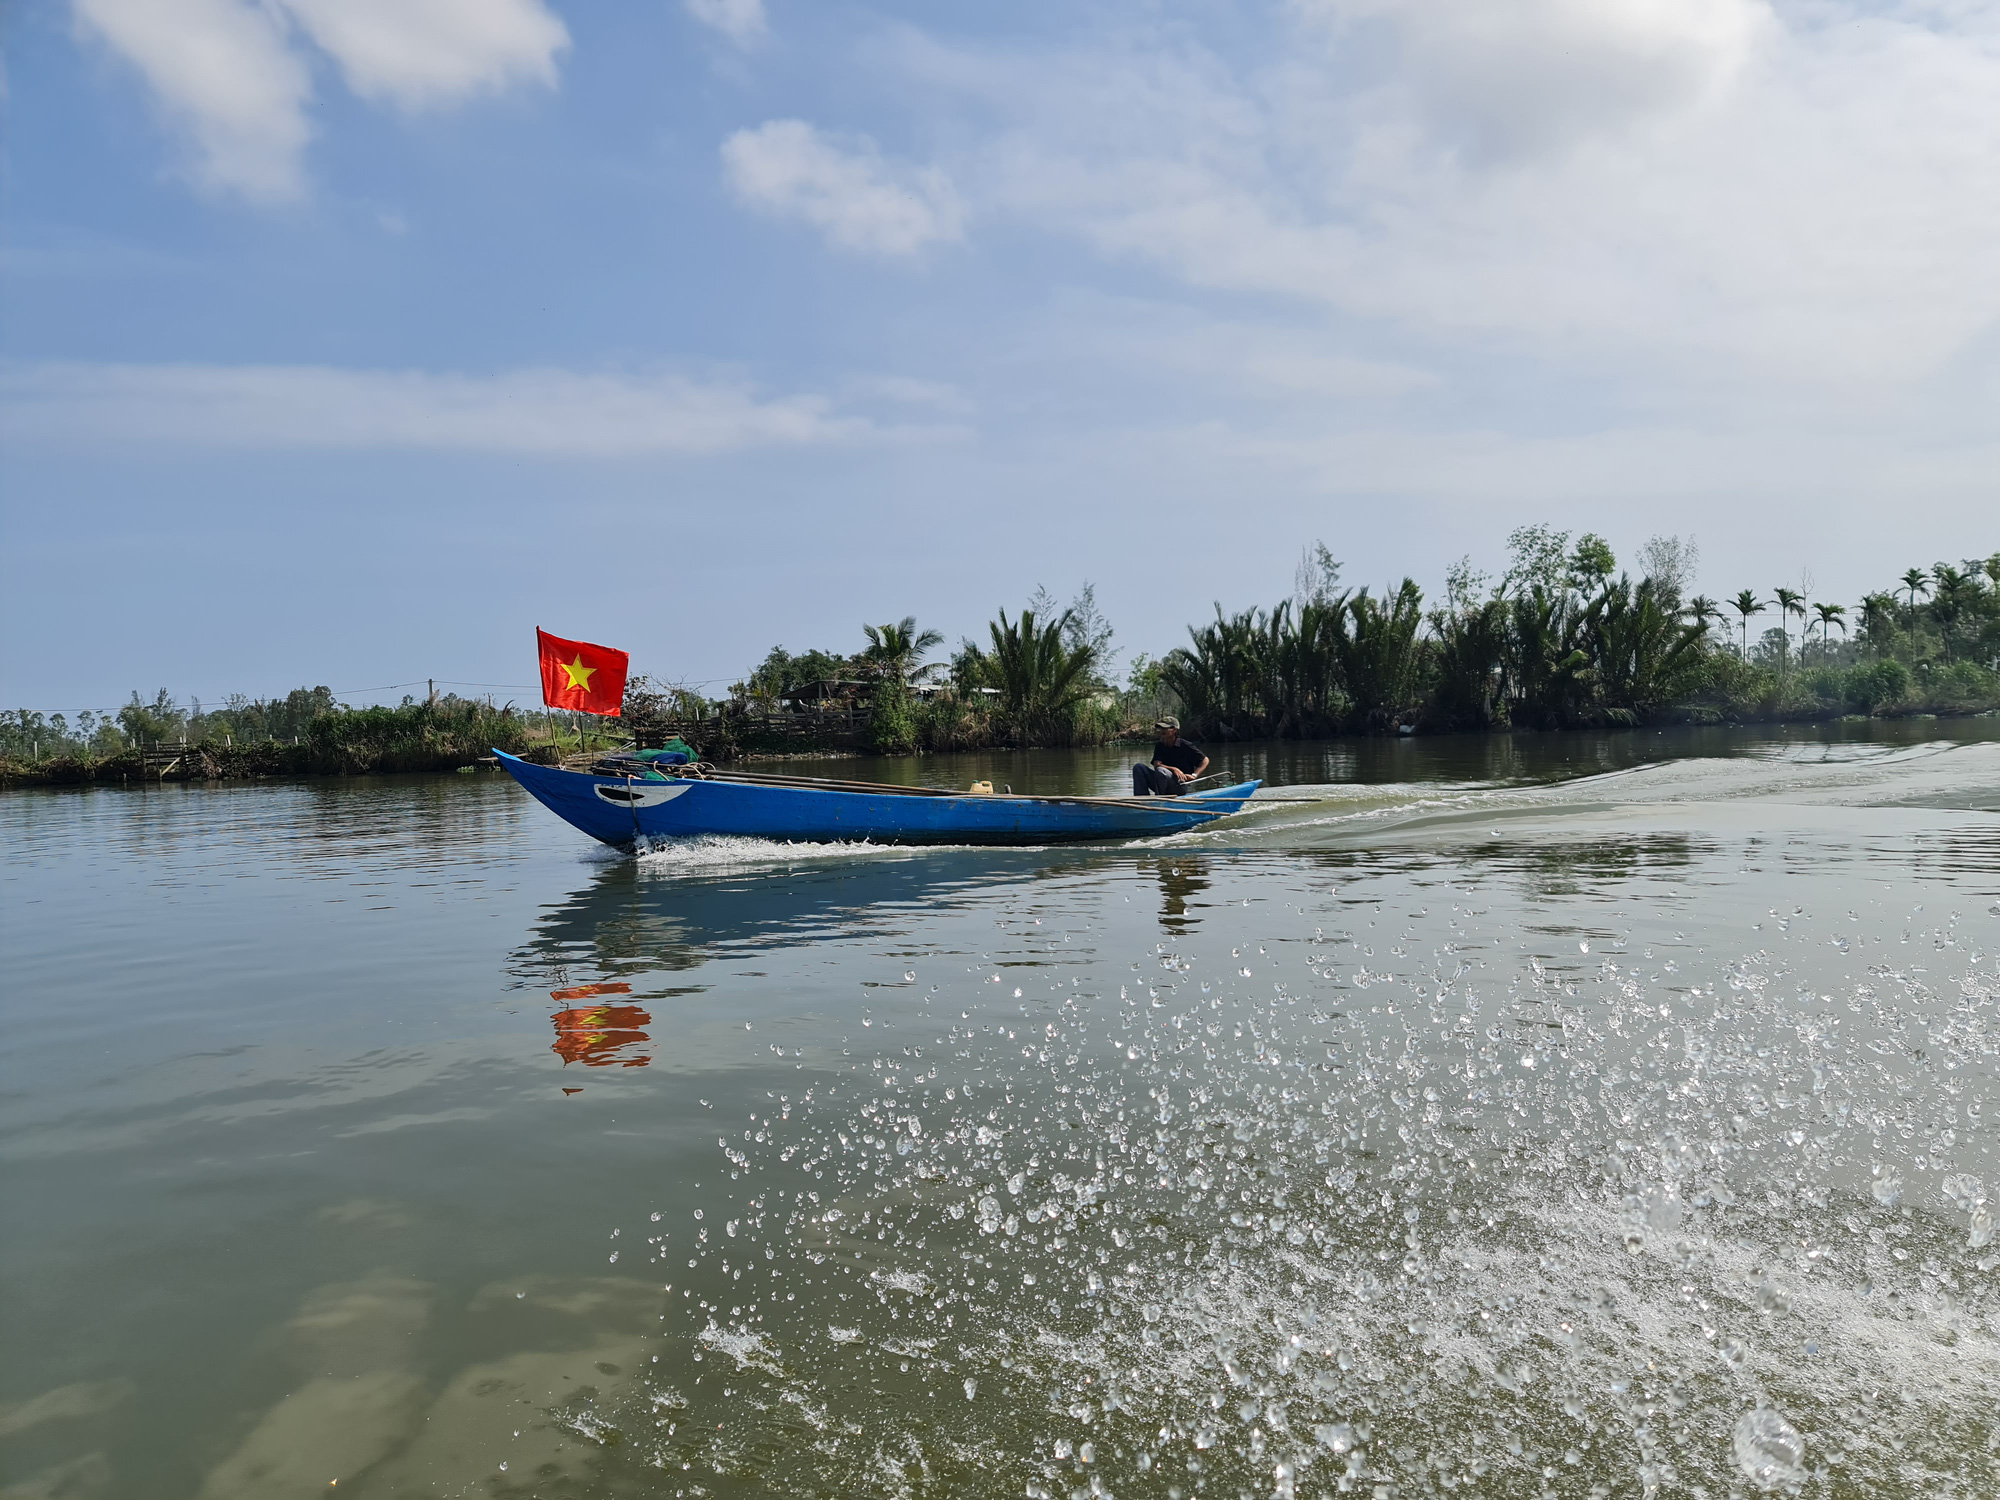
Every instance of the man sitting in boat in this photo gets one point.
(1175, 764)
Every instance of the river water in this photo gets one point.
(1536, 1116)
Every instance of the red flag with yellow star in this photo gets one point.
(578, 675)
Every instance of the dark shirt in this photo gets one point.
(1182, 757)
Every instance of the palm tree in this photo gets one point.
(1954, 591)
(1829, 616)
(1747, 604)
(1374, 641)
(1643, 654)
(1916, 582)
(1790, 602)
(1878, 618)
(1041, 677)
(898, 648)
(1703, 610)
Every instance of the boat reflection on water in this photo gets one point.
(660, 921)
(599, 1036)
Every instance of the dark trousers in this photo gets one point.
(1152, 781)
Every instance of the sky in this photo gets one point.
(347, 341)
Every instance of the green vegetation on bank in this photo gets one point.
(1038, 679)
(1564, 639)
(306, 733)
(1559, 642)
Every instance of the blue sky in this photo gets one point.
(345, 341)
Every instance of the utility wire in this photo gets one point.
(220, 702)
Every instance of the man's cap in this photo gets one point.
(1169, 722)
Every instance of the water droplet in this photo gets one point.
(1583, 947)
(1336, 1435)
(1769, 1450)
(1982, 1231)
(1773, 1297)
(1733, 1354)
(1887, 1186)
(971, 1389)
(1963, 1191)
(1204, 1437)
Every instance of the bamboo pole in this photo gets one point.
(827, 784)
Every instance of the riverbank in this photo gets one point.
(443, 737)
(393, 748)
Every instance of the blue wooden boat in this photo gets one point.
(628, 810)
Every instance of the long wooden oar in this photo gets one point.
(879, 788)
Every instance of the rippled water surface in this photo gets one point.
(1547, 1116)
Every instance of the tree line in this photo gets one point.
(1039, 678)
(1564, 638)
(305, 731)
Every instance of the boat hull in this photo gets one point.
(626, 812)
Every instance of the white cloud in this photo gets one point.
(742, 21)
(1705, 190)
(424, 53)
(1502, 79)
(222, 70)
(546, 412)
(858, 199)
(228, 72)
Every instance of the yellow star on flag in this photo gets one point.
(579, 674)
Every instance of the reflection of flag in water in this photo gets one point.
(589, 991)
(594, 1035)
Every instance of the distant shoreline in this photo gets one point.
(276, 762)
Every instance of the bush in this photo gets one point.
(892, 721)
(952, 724)
(1877, 686)
(1962, 686)
(1826, 685)
(452, 732)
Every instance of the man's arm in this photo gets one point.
(1195, 775)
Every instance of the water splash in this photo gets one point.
(1406, 1210)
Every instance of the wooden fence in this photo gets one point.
(836, 727)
